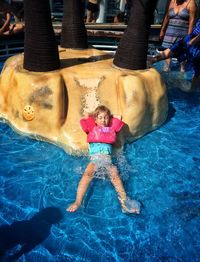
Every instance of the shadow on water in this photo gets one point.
(192, 99)
(171, 112)
(28, 233)
(178, 87)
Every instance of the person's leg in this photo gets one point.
(82, 187)
(167, 65)
(133, 205)
(89, 16)
(117, 183)
(94, 17)
(161, 56)
(182, 66)
(19, 27)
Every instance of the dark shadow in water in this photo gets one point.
(28, 233)
(191, 98)
(171, 113)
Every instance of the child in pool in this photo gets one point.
(101, 129)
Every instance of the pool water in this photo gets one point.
(38, 181)
(1, 65)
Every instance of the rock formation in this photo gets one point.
(49, 105)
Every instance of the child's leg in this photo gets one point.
(117, 183)
(82, 187)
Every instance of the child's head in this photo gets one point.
(102, 116)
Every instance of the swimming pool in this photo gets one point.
(162, 170)
(1, 65)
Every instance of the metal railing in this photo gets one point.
(10, 47)
(101, 36)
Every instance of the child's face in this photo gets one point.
(102, 119)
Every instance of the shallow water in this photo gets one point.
(162, 170)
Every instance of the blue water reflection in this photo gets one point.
(162, 169)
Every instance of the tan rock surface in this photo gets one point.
(58, 99)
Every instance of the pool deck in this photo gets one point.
(101, 36)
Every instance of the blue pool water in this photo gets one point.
(1, 65)
(162, 170)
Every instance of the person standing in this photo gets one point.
(178, 22)
(188, 50)
(92, 11)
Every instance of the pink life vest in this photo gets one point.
(101, 134)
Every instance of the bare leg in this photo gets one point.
(118, 185)
(167, 65)
(19, 27)
(89, 16)
(82, 187)
(182, 66)
(166, 54)
(94, 17)
(161, 56)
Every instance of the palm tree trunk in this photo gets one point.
(74, 34)
(40, 47)
(133, 47)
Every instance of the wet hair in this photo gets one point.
(101, 109)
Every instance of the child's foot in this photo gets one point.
(131, 206)
(73, 207)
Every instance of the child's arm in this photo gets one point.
(87, 124)
(117, 124)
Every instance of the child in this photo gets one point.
(101, 129)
